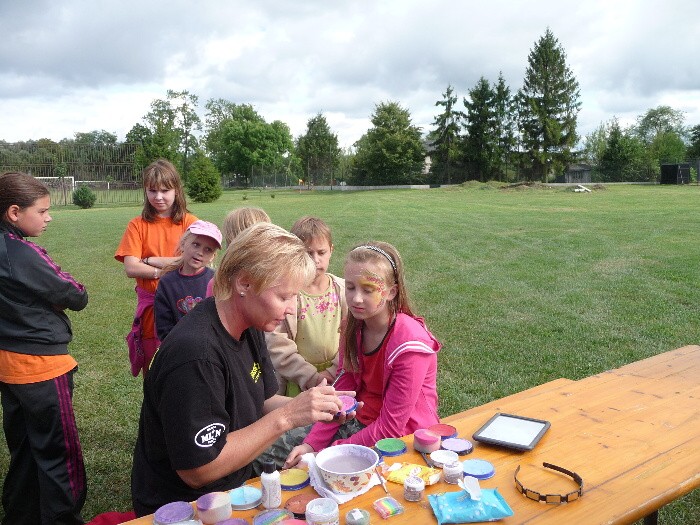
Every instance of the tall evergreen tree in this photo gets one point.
(445, 137)
(504, 120)
(318, 150)
(548, 108)
(481, 140)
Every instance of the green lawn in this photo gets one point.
(522, 286)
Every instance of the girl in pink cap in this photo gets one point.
(184, 283)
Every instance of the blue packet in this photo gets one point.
(459, 507)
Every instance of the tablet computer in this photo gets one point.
(508, 430)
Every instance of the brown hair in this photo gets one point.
(382, 254)
(162, 174)
(308, 228)
(241, 218)
(265, 253)
(20, 189)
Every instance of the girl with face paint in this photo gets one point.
(388, 356)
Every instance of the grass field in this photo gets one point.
(522, 286)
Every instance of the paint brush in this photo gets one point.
(428, 461)
(338, 377)
(381, 479)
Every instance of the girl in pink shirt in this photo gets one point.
(388, 356)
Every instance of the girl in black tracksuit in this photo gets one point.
(45, 482)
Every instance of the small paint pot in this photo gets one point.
(294, 479)
(297, 504)
(245, 497)
(390, 447)
(458, 445)
(272, 516)
(441, 457)
(174, 512)
(425, 440)
(322, 511)
(478, 468)
(349, 403)
(443, 430)
(357, 517)
(214, 506)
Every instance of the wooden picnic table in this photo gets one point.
(632, 434)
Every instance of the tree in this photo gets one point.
(187, 122)
(662, 119)
(204, 182)
(693, 151)
(504, 119)
(96, 138)
(623, 159)
(318, 150)
(548, 107)
(242, 144)
(171, 124)
(480, 140)
(445, 137)
(391, 152)
(595, 142)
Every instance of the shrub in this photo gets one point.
(84, 197)
(203, 182)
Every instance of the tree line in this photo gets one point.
(494, 134)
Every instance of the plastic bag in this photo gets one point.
(398, 472)
(458, 507)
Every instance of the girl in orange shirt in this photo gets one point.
(150, 242)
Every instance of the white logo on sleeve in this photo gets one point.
(209, 435)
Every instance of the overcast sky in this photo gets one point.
(70, 66)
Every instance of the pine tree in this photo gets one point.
(504, 120)
(480, 141)
(548, 108)
(445, 137)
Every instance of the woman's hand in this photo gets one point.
(319, 403)
(296, 453)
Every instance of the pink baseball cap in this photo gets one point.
(207, 229)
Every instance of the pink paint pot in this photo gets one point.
(425, 440)
(443, 430)
(349, 403)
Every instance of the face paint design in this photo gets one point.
(366, 291)
(374, 284)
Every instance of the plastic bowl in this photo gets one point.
(347, 468)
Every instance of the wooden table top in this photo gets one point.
(632, 434)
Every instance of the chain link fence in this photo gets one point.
(109, 170)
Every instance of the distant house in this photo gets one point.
(579, 173)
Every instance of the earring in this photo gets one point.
(242, 294)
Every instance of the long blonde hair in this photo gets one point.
(265, 253)
(241, 218)
(387, 258)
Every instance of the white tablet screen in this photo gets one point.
(513, 430)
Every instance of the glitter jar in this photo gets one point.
(452, 472)
(413, 488)
(322, 511)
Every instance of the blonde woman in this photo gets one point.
(210, 404)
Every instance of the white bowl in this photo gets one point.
(347, 468)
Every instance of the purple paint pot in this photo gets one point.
(174, 512)
(458, 445)
(233, 521)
